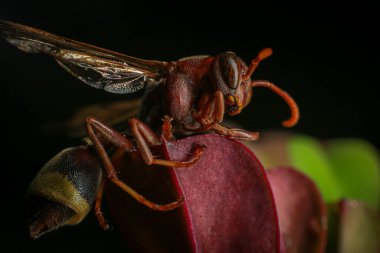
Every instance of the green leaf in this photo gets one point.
(341, 168)
(307, 155)
(356, 164)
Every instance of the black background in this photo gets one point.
(325, 56)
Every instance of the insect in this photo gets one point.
(181, 97)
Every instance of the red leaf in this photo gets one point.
(301, 211)
(228, 202)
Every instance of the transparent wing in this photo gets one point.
(97, 67)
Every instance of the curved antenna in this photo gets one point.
(294, 111)
(263, 54)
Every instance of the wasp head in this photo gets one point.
(229, 70)
(233, 78)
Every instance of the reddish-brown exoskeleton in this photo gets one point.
(191, 94)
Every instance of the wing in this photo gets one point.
(97, 67)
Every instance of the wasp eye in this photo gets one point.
(230, 72)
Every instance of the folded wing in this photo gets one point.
(97, 67)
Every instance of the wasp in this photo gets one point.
(182, 97)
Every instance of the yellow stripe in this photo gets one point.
(57, 187)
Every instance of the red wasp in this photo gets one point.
(191, 95)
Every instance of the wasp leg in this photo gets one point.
(211, 111)
(116, 138)
(211, 108)
(211, 114)
(145, 137)
(202, 128)
(235, 133)
(141, 199)
(98, 206)
(100, 133)
(167, 128)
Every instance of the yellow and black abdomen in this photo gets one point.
(64, 190)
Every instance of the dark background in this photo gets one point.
(325, 56)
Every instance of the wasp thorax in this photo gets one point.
(64, 190)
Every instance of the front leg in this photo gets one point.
(211, 112)
(145, 137)
(235, 133)
(210, 108)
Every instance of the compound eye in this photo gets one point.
(230, 72)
